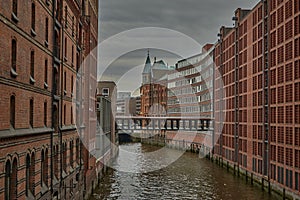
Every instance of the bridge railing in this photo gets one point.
(164, 123)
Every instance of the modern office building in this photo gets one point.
(258, 60)
(123, 99)
(190, 86)
(190, 92)
(42, 156)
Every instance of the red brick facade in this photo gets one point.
(44, 42)
(258, 60)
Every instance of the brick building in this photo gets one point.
(154, 88)
(258, 60)
(41, 153)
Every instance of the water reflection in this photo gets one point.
(187, 178)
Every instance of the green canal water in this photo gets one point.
(189, 177)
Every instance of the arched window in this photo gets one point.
(30, 171)
(14, 179)
(7, 180)
(32, 174)
(46, 168)
(42, 167)
(12, 111)
(27, 174)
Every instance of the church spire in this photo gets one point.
(147, 68)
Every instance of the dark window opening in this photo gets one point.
(65, 114)
(32, 64)
(14, 55)
(45, 114)
(47, 29)
(46, 72)
(33, 16)
(12, 111)
(15, 7)
(7, 180)
(31, 113)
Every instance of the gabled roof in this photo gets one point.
(160, 65)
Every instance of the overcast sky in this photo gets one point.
(198, 19)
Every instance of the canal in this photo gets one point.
(189, 177)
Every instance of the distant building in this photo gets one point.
(190, 86)
(123, 99)
(154, 88)
(123, 95)
(106, 137)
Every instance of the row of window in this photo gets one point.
(11, 175)
(31, 113)
(11, 169)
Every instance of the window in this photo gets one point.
(66, 16)
(33, 16)
(65, 157)
(32, 67)
(12, 111)
(45, 114)
(46, 74)
(72, 119)
(27, 174)
(72, 55)
(32, 174)
(31, 113)
(15, 11)
(15, 7)
(105, 91)
(56, 161)
(65, 81)
(72, 84)
(65, 114)
(66, 47)
(11, 180)
(71, 153)
(47, 30)
(77, 150)
(14, 56)
(7, 180)
(44, 168)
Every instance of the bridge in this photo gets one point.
(133, 123)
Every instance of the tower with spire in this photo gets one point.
(153, 89)
(147, 71)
